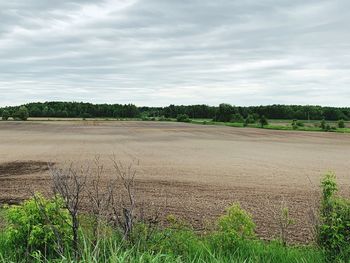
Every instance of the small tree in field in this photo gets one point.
(183, 118)
(22, 113)
(5, 115)
(263, 121)
(341, 124)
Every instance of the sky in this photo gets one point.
(161, 52)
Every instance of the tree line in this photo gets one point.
(223, 112)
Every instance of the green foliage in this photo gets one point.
(341, 124)
(183, 118)
(296, 124)
(34, 226)
(334, 229)
(21, 114)
(237, 223)
(5, 115)
(162, 118)
(237, 118)
(222, 113)
(263, 121)
(177, 243)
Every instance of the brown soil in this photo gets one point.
(21, 168)
(200, 170)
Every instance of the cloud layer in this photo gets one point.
(157, 52)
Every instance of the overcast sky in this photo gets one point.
(158, 52)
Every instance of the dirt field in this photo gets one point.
(201, 169)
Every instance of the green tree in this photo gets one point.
(5, 115)
(224, 112)
(237, 118)
(22, 113)
(263, 121)
(183, 118)
(341, 124)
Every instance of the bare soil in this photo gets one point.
(199, 169)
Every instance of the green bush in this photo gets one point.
(183, 118)
(237, 118)
(334, 229)
(296, 124)
(21, 114)
(35, 225)
(237, 222)
(162, 118)
(5, 115)
(250, 119)
(300, 124)
(341, 124)
(263, 121)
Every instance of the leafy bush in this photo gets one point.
(162, 118)
(86, 115)
(237, 118)
(21, 114)
(296, 124)
(36, 225)
(263, 121)
(334, 229)
(237, 222)
(341, 124)
(5, 115)
(183, 118)
(300, 124)
(250, 119)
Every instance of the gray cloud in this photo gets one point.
(157, 52)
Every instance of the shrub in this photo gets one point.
(163, 118)
(323, 125)
(300, 124)
(86, 115)
(145, 118)
(38, 225)
(294, 124)
(21, 114)
(334, 229)
(5, 115)
(341, 124)
(250, 119)
(263, 121)
(237, 222)
(237, 118)
(183, 118)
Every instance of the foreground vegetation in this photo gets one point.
(29, 238)
(115, 228)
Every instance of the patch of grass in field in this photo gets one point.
(169, 245)
(182, 246)
(274, 125)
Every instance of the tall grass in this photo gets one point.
(191, 248)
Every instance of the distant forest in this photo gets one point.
(223, 112)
